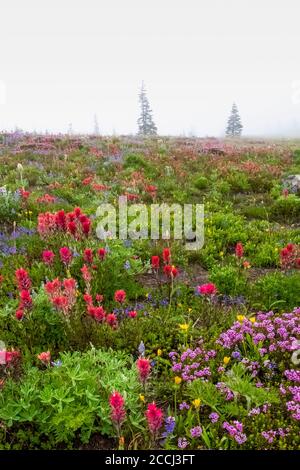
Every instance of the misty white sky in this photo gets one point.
(63, 61)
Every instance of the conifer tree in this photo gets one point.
(96, 125)
(234, 125)
(145, 121)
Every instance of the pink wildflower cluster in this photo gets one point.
(75, 223)
(222, 387)
(292, 393)
(270, 332)
(62, 295)
(272, 434)
(46, 199)
(235, 430)
(192, 363)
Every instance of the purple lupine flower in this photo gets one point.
(169, 426)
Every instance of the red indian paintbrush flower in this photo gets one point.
(239, 250)
(144, 369)
(166, 255)
(102, 253)
(99, 298)
(207, 289)
(44, 357)
(86, 274)
(120, 296)
(69, 284)
(19, 314)
(25, 300)
(132, 313)
(23, 279)
(12, 356)
(48, 257)
(65, 255)
(88, 299)
(154, 416)
(170, 270)
(53, 287)
(155, 261)
(88, 255)
(72, 228)
(99, 313)
(86, 226)
(60, 219)
(289, 256)
(24, 194)
(117, 407)
(112, 320)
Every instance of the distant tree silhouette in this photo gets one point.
(145, 121)
(96, 125)
(234, 125)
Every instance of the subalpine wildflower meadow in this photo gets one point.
(138, 344)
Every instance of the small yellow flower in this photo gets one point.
(177, 380)
(190, 310)
(252, 319)
(240, 318)
(184, 327)
(159, 352)
(196, 403)
(221, 254)
(226, 360)
(142, 398)
(29, 212)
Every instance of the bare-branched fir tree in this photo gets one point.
(234, 126)
(96, 125)
(145, 121)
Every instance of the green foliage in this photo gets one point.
(10, 205)
(71, 399)
(241, 384)
(276, 290)
(135, 161)
(229, 280)
(286, 209)
(201, 182)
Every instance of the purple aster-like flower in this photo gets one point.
(182, 443)
(214, 417)
(196, 432)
